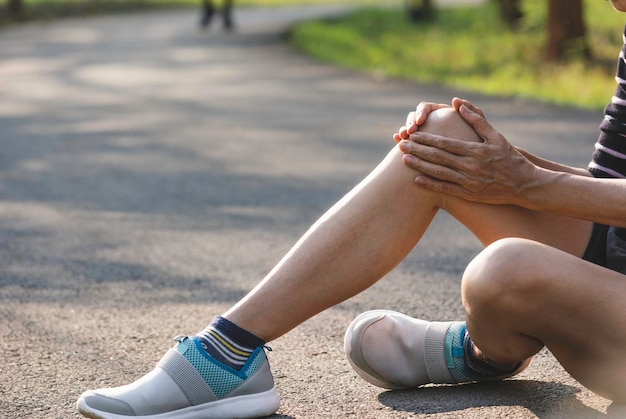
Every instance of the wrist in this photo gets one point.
(539, 190)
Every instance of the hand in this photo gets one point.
(417, 118)
(492, 171)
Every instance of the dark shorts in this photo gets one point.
(607, 247)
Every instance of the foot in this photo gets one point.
(187, 383)
(392, 350)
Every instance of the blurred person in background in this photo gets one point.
(208, 11)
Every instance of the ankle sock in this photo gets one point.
(228, 343)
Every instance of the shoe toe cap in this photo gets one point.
(152, 394)
(386, 349)
(91, 401)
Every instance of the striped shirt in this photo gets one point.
(609, 158)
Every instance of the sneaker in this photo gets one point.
(188, 383)
(395, 351)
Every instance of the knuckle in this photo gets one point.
(474, 147)
(478, 149)
(440, 173)
(443, 143)
(472, 166)
(472, 187)
(476, 187)
(432, 155)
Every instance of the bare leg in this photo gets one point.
(520, 295)
(353, 245)
(371, 230)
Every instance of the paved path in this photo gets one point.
(150, 174)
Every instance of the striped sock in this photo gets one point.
(228, 343)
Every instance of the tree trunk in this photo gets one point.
(510, 12)
(566, 30)
(15, 9)
(420, 10)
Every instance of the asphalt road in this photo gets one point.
(151, 174)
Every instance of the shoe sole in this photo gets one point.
(247, 406)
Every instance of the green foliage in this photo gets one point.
(471, 49)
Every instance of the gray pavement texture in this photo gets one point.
(151, 174)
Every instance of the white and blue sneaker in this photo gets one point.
(188, 383)
(394, 351)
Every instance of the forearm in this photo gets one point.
(550, 165)
(599, 200)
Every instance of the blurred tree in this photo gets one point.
(566, 30)
(510, 12)
(565, 27)
(15, 9)
(420, 10)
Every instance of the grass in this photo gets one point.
(470, 49)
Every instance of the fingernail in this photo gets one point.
(466, 109)
(409, 159)
(403, 145)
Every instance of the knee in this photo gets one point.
(498, 280)
(449, 123)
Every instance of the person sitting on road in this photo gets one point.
(551, 274)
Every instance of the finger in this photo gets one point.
(436, 180)
(434, 171)
(479, 123)
(457, 103)
(441, 187)
(428, 157)
(410, 119)
(434, 142)
(410, 124)
(402, 133)
(424, 108)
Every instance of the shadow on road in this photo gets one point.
(543, 399)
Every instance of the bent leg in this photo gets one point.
(370, 230)
(520, 295)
